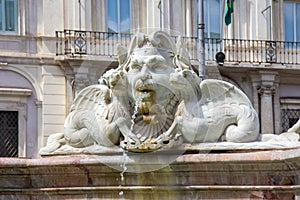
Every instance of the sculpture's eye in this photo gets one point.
(136, 67)
(158, 68)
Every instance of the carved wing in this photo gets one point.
(94, 98)
(87, 118)
(220, 91)
(226, 104)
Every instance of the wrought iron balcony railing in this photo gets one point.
(254, 51)
(73, 42)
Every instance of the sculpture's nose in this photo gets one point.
(145, 73)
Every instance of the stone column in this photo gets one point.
(277, 111)
(40, 131)
(266, 112)
(77, 78)
(98, 15)
(255, 79)
(81, 79)
(188, 16)
(70, 77)
(267, 91)
(153, 15)
(70, 93)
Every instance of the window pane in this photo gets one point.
(298, 22)
(1, 16)
(112, 16)
(205, 6)
(125, 15)
(10, 15)
(118, 17)
(212, 21)
(288, 22)
(9, 133)
(215, 19)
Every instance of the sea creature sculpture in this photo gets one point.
(154, 99)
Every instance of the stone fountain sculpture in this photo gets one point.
(154, 100)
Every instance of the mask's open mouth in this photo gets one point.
(146, 103)
(147, 91)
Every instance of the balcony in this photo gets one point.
(74, 43)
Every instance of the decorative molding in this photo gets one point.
(15, 91)
(32, 80)
(290, 101)
(266, 90)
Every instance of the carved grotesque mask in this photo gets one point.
(149, 71)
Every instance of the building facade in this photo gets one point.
(51, 49)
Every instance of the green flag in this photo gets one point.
(227, 12)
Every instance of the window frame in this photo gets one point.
(16, 22)
(207, 18)
(11, 139)
(294, 15)
(119, 17)
(288, 104)
(15, 99)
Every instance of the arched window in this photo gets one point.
(18, 116)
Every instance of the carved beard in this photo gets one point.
(146, 91)
(145, 111)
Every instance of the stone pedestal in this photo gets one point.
(244, 175)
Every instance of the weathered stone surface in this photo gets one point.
(251, 175)
(275, 142)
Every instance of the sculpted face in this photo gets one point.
(148, 74)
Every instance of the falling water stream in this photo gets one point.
(123, 165)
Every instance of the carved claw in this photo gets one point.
(171, 133)
(163, 138)
(54, 142)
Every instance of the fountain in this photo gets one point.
(152, 129)
(153, 102)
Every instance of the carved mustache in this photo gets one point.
(146, 85)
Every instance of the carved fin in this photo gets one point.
(122, 54)
(182, 54)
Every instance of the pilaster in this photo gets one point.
(80, 74)
(267, 112)
(255, 79)
(266, 91)
(81, 78)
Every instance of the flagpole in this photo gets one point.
(200, 43)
